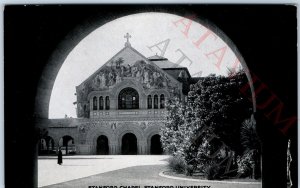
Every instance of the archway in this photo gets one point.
(128, 99)
(46, 146)
(129, 144)
(102, 145)
(57, 60)
(67, 145)
(155, 145)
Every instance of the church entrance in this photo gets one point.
(129, 144)
(102, 145)
(156, 148)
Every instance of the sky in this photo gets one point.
(179, 39)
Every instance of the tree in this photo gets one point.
(206, 130)
(221, 106)
(171, 133)
(249, 162)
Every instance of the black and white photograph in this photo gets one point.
(150, 96)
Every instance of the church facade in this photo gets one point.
(121, 107)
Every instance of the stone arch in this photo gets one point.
(93, 134)
(46, 145)
(57, 58)
(156, 145)
(102, 145)
(128, 98)
(151, 131)
(54, 137)
(67, 144)
(93, 140)
(58, 135)
(132, 83)
(129, 144)
(141, 142)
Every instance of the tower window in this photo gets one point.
(149, 101)
(162, 101)
(101, 103)
(107, 103)
(155, 102)
(95, 103)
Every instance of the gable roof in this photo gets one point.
(129, 56)
(175, 72)
(163, 62)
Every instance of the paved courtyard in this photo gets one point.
(116, 170)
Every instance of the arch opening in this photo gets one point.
(129, 144)
(155, 145)
(102, 145)
(67, 145)
(128, 99)
(46, 146)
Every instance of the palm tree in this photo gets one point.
(250, 142)
(249, 137)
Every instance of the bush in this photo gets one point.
(246, 164)
(214, 171)
(189, 170)
(177, 164)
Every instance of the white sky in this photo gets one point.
(146, 29)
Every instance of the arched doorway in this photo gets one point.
(46, 146)
(67, 145)
(129, 144)
(128, 99)
(155, 146)
(102, 145)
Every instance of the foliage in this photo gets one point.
(249, 161)
(221, 106)
(214, 171)
(177, 164)
(246, 163)
(171, 134)
(189, 169)
(206, 129)
(249, 137)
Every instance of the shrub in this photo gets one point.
(246, 163)
(189, 170)
(177, 164)
(214, 171)
(210, 172)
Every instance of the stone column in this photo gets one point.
(142, 148)
(113, 148)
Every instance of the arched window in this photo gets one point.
(101, 103)
(149, 102)
(155, 102)
(162, 101)
(107, 103)
(95, 103)
(128, 99)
